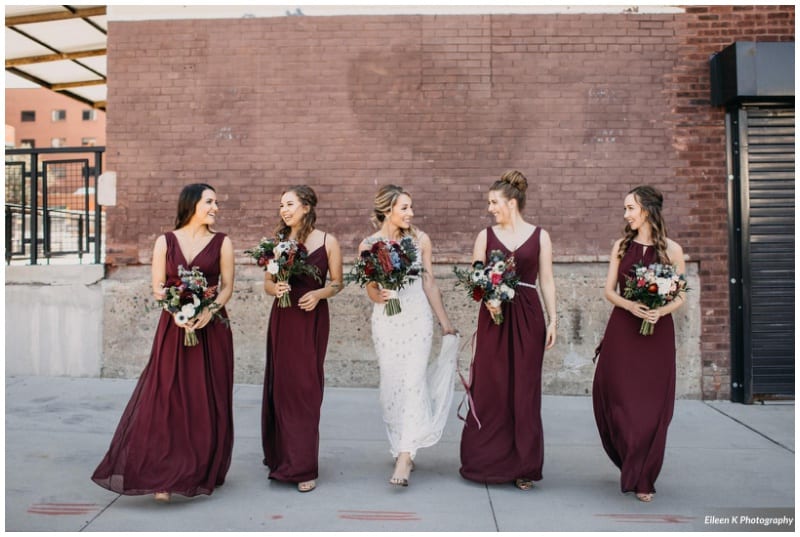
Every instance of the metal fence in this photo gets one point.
(51, 209)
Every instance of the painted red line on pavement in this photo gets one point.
(56, 512)
(378, 518)
(379, 512)
(656, 518)
(62, 508)
(396, 516)
(68, 504)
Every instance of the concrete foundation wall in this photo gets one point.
(129, 324)
(54, 320)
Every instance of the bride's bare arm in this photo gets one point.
(430, 287)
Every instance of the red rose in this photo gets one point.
(477, 294)
(385, 261)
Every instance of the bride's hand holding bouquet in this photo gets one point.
(389, 264)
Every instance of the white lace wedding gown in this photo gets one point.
(415, 396)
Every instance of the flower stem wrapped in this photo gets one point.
(186, 298)
(493, 282)
(283, 259)
(654, 286)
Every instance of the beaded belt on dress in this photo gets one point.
(524, 284)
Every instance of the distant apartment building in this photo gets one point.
(42, 118)
(37, 118)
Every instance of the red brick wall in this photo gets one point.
(699, 136)
(587, 106)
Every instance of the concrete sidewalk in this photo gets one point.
(722, 458)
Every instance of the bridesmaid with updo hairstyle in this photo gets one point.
(502, 439)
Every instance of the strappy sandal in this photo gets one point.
(523, 484)
(646, 497)
(307, 486)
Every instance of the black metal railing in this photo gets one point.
(51, 206)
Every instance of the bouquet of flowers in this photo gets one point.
(653, 286)
(186, 298)
(283, 259)
(492, 282)
(390, 264)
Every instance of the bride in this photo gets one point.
(415, 396)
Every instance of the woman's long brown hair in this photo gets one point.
(651, 201)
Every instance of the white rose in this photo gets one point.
(188, 310)
(273, 267)
(509, 291)
(664, 285)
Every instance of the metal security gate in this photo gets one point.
(762, 251)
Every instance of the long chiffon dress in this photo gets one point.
(415, 394)
(634, 387)
(294, 380)
(506, 381)
(176, 433)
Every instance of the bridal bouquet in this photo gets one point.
(492, 282)
(283, 259)
(390, 264)
(186, 298)
(653, 286)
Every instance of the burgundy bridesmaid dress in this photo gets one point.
(506, 381)
(634, 388)
(294, 380)
(176, 433)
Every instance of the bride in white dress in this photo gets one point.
(415, 395)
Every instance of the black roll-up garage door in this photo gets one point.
(766, 137)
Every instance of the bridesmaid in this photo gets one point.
(176, 433)
(634, 384)
(502, 437)
(415, 396)
(297, 339)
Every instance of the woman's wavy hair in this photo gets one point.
(512, 185)
(651, 201)
(385, 199)
(307, 197)
(187, 202)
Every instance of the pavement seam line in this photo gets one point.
(491, 507)
(787, 448)
(95, 517)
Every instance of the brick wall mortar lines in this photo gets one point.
(587, 105)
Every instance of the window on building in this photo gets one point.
(89, 115)
(89, 141)
(59, 115)
(27, 144)
(58, 142)
(28, 115)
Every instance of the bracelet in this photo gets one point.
(553, 322)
